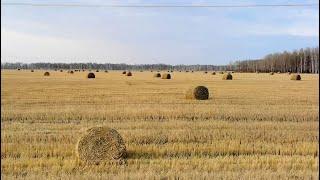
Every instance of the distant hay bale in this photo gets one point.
(55, 69)
(32, 70)
(18, 69)
(187, 71)
(71, 72)
(192, 71)
(166, 76)
(106, 71)
(61, 70)
(199, 93)
(46, 74)
(141, 71)
(232, 72)
(83, 70)
(124, 72)
(271, 73)
(213, 73)
(168, 71)
(171, 71)
(157, 75)
(227, 77)
(296, 77)
(101, 144)
(205, 72)
(151, 71)
(129, 74)
(289, 73)
(91, 75)
(220, 72)
(97, 70)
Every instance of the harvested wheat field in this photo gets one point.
(256, 126)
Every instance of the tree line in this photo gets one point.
(298, 61)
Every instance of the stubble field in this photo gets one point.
(256, 126)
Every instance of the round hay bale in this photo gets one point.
(32, 70)
(124, 72)
(101, 144)
(227, 77)
(19, 69)
(192, 71)
(129, 74)
(61, 70)
(199, 93)
(91, 75)
(271, 73)
(187, 71)
(157, 75)
(220, 72)
(71, 72)
(171, 71)
(289, 73)
(296, 77)
(141, 71)
(166, 76)
(213, 73)
(46, 74)
(97, 70)
(55, 69)
(106, 71)
(205, 72)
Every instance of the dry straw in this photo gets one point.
(101, 144)
(157, 75)
(199, 93)
(46, 74)
(227, 77)
(296, 77)
(91, 75)
(166, 76)
(129, 74)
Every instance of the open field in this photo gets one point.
(256, 126)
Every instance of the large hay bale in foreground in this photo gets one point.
(101, 144)
(46, 74)
(199, 93)
(166, 76)
(227, 77)
(91, 75)
(296, 77)
(157, 75)
(129, 74)
(271, 73)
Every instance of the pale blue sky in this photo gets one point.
(148, 35)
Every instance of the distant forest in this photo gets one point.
(299, 61)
